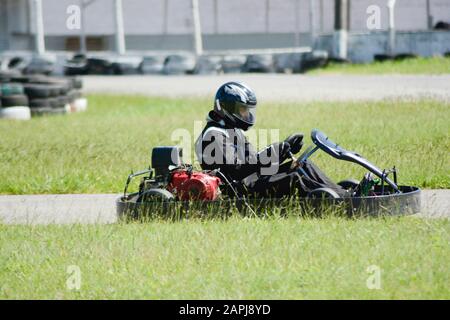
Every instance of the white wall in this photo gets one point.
(99, 17)
(234, 16)
(146, 17)
(410, 15)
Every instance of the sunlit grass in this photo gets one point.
(235, 258)
(93, 152)
(232, 259)
(420, 65)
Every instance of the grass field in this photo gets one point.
(235, 259)
(274, 258)
(435, 65)
(93, 152)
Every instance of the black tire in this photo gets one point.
(27, 78)
(156, 195)
(11, 89)
(38, 90)
(75, 70)
(74, 94)
(348, 183)
(64, 88)
(77, 83)
(116, 70)
(63, 100)
(404, 56)
(441, 25)
(313, 64)
(64, 84)
(339, 60)
(325, 193)
(7, 75)
(382, 57)
(41, 111)
(153, 201)
(58, 111)
(40, 103)
(18, 100)
(54, 102)
(55, 90)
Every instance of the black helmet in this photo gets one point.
(235, 103)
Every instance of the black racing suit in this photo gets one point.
(259, 174)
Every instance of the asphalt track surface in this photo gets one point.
(100, 208)
(281, 87)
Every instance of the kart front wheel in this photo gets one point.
(348, 184)
(323, 193)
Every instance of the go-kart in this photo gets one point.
(169, 182)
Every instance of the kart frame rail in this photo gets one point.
(388, 198)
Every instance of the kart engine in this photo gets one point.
(189, 185)
(181, 180)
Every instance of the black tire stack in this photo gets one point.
(12, 95)
(13, 101)
(43, 94)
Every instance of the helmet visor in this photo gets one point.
(246, 113)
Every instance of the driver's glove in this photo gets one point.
(275, 153)
(295, 141)
(285, 150)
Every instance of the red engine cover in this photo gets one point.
(196, 186)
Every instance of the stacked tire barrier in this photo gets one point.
(24, 96)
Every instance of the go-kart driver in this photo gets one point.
(223, 145)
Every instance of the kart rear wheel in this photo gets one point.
(153, 201)
(155, 195)
(323, 193)
(348, 183)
